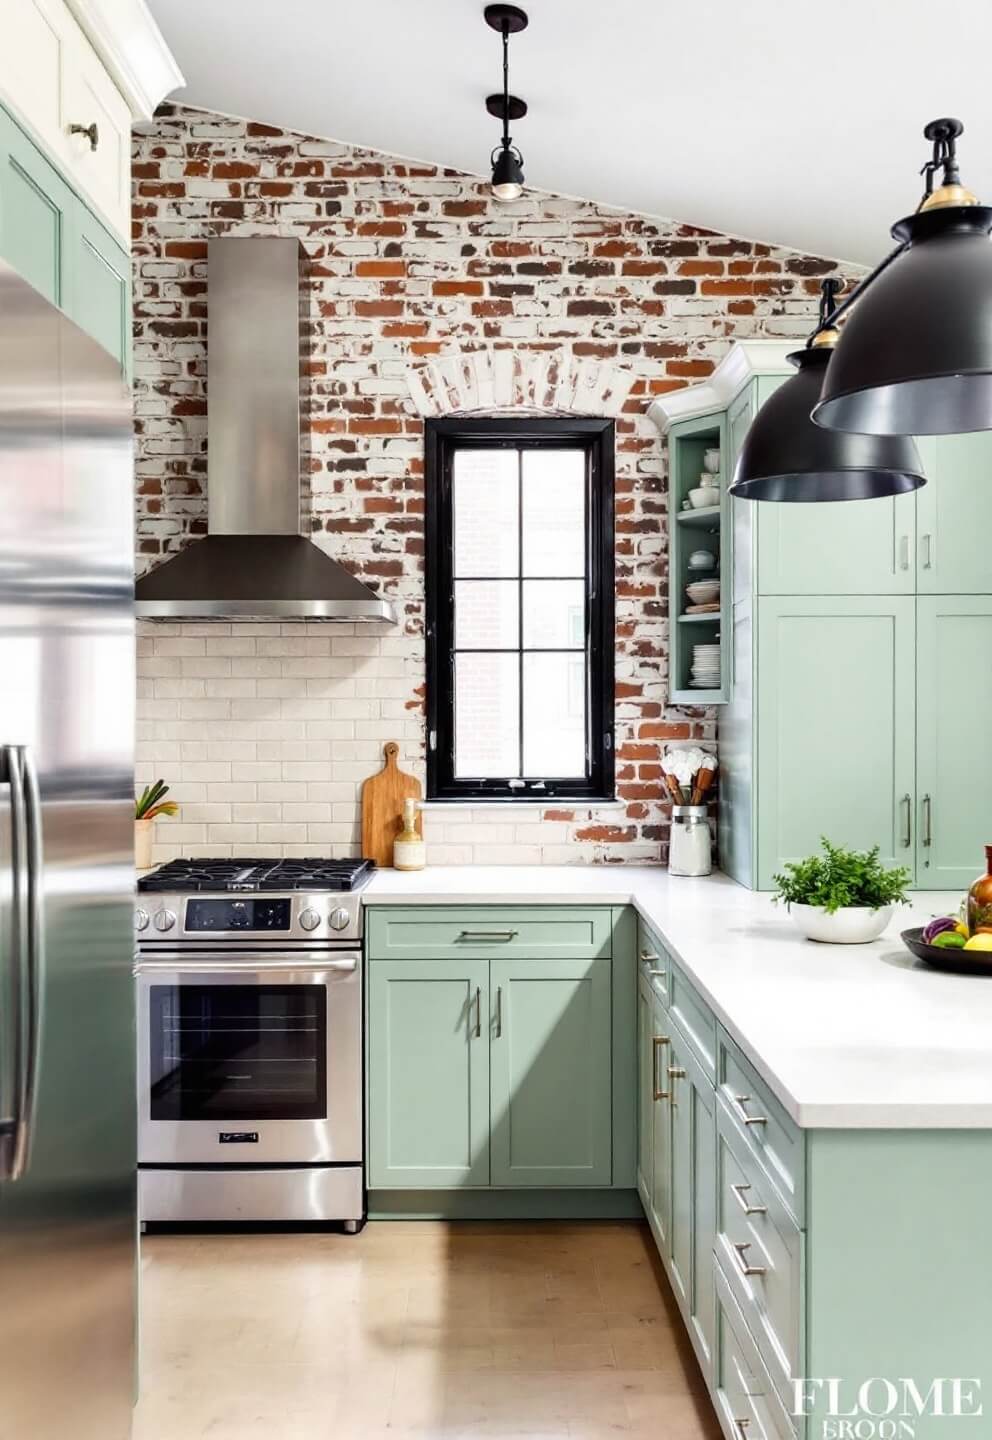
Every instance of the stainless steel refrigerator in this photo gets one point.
(67, 1093)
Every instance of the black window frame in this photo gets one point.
(596, 437)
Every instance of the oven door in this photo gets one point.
(250, 1061)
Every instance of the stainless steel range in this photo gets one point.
(250, 1041)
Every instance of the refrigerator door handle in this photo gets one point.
(12, 775)
(33, 946)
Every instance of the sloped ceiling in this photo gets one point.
(778, 120)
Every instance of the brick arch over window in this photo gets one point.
(545, 380)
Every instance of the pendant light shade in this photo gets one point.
(915, 355)
(785, 456)
(508, 174)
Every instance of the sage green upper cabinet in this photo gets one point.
(835, 719)
(954, 516)
(839, 547)
(36, 209)
(954, 702)
(428, 1073)
(550, 1070)
(101, 287)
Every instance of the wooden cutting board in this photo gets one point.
(382, 807)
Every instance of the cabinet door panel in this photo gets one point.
(551, 1120)
(645, 1089)
(836, 731)
(955, 517)
(90, 97)
(100, 293)
(31, 64)
(680, 1104)
(693, 1225)
(661, 1140)
(428, 1073)
(35, 214)
(954, 686)
(841, 547)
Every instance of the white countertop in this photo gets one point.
(848, 1036)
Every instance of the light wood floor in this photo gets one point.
(422, 1330)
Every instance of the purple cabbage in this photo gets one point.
(937, 927)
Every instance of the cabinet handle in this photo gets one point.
(90, 131)
(741, 1248)
(499, 1011)
(927, 820)
(675, 1072)
(741, 1428)
(739, 1193)
(502, 935)
(656, 1045)
(647, 956)
(904, 552)
(478, 1012)
(907, 815)
(740, 1101)
(928, 552)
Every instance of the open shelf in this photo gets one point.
(713, 618)
(691, 530)
(708, 518)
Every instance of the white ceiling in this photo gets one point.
(780, 120)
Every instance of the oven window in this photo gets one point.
(238, 1052)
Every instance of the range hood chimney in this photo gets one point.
(256, 562)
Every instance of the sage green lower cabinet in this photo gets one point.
(954, 703)
(550, 1057)
(428, 1073)
(692, 1107)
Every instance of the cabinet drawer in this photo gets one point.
(746, 1402)
(759, 1119)
(479, 933)
(755, 1233)
(695, 1019)
(653, 961)
(90, 98)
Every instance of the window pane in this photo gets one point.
(485, 487)
(486, 615)
(554, 614)
(554, 715)
(554, 513)
(487, 716)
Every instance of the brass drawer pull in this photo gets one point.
(739, 1193)
(478, 1012)
(90, 131)
(656, 1045)
(499, 1011)
(502, 935)
(740, 1250)
(675, 1072)
(740, 1101)
(741, 1427)
(648, 955)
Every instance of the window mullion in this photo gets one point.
(520, 613)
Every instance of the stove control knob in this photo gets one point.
(140, 919)
(164, 919)
(340, 919)
(309, 919)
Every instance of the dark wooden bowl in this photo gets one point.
(962, 962)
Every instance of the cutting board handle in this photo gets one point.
(391, 751)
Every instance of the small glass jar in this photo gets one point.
(980, 900)
(690, 847)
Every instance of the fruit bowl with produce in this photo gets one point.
(962, 942)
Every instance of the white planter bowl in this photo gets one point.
(851, 925)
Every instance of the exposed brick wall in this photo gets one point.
(266, 731)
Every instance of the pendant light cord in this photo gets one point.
(840, 310)
(505, 29)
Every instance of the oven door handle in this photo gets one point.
(176, 961)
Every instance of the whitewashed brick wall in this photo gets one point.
(425, 295)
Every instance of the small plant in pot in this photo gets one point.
(148, 806)
(842, 897)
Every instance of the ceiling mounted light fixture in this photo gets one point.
(506, 160)
(915, 356)
(785, 456)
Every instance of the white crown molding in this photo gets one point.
(132, 47)
(744, 360)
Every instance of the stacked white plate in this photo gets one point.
(705, 667)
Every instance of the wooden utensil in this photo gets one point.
(382, 807)
(704, 779)
(674, 789)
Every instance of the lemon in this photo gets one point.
(962, 929)
(982, 941)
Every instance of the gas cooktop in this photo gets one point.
(312, 875)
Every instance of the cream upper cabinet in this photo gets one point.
(79, 106)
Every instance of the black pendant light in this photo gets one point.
(915, 356)
(506, 160)
(786, 457)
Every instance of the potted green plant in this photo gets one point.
(842, 897)
(148, 806)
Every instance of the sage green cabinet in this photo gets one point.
(954, 516)
(550, 1062)
(835, 720)
(692, 1112)
(954, 703)
(841, 547)
(428, 1073)
(51, 238)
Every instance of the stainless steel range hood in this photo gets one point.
(256, 561)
